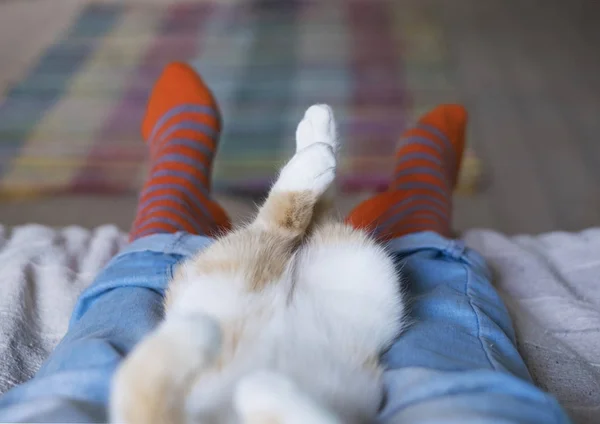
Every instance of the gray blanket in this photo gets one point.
(42, 272)
(551, 284)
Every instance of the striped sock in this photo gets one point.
(181, 128)
(420, 195)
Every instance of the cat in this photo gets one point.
(279, 322)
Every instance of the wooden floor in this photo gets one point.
(528, 71)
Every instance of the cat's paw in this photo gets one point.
(267, 396)
(311, 169)
(262, 391)
(192, 332)
(317, 126)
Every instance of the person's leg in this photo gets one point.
(174, 220)
(420, 194)
(457, 361)
(181, 127)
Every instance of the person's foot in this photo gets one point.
(427, 164)
(181, 127)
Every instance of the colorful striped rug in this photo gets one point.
(72, 123)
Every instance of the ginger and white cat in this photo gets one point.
(281, 321)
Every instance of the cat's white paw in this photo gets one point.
(196, 333)
(262, 391)
(270, 396)
(317, 126)
(311, 169)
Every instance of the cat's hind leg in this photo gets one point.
(308, 175)
(318, 125)
(152, 383)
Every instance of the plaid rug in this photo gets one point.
(72, 123)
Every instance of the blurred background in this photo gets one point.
(75, 76)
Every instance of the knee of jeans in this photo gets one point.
(145, 270)
(458, 251)
(438, 249)
(84, 352)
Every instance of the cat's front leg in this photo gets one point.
(152, 383)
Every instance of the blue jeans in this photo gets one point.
(457, 362)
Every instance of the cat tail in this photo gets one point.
(153, 383)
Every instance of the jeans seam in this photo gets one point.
(481, 342)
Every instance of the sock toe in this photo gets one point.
(451, 120)
(179, 84)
